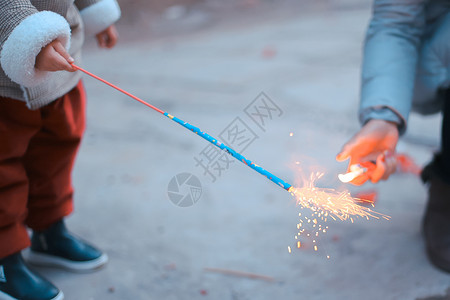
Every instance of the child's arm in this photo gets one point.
(24, 33)
(98, 16)
(54, 57)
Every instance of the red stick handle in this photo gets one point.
(117, 88)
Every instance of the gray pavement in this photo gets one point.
(308, 65)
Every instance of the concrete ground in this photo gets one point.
(307, 64)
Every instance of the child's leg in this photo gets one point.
(17, 126)
(49, 162)
(50, 157)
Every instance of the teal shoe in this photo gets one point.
(17, 281)
(57, 247)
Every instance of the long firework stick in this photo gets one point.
(204, 135)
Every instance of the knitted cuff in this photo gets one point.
(99, 16)
(18, 55)
(383, 113)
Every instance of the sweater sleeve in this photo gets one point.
(98, 14)
(390, 59)
(23, 33)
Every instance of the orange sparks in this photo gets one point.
(329, 202)
(326, 203)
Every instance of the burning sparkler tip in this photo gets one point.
(327, 202)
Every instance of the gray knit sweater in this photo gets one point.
(28, 25)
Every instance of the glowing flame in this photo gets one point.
(326, 203)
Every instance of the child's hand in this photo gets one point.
(376, 141)
(54, 57)
(107, 38)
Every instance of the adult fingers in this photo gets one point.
(361, 179)
(346, 151)
(391, 166)
(380, 170)
(385, 167)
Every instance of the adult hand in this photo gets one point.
(54, 57)
(107, 38)
(376, 141)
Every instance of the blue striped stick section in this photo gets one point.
(233, 153)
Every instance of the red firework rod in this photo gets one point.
(204, 135)
(117, 88)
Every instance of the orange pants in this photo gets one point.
(37, 152)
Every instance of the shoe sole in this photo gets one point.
(45, 260)
(4, 296)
